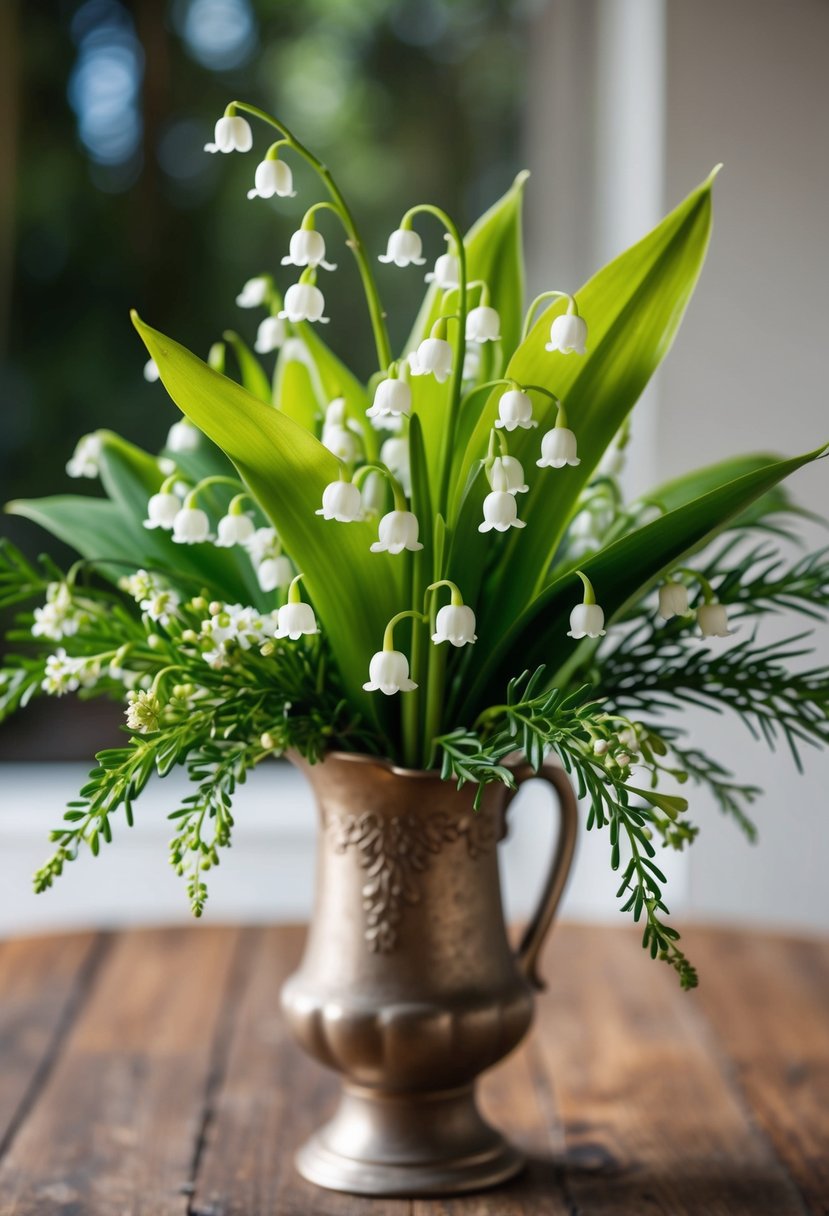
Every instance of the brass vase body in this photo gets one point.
(408, 986)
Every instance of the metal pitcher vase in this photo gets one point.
(408, 985)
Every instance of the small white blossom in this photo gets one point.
(483, 325)
(629, 740)
(392, 398)
(58, 617)
(254, 293)
(275, 573)
(162, 510)
(432, 358)
(374, 494)
(191, 526)
(455, 623)
(713, 621)
(341, 500)
(183, 437)
(515, 409)
(586, 621)
(143, 712)
(272, 177)
(270, 335)
(61, 674)
(307, 248)
(388, 672)
(500, 512)
(232, 134)
(294, 620)
(151, 372)
(85, 460)
(447, 272)
(397, 531)
(405, 248)
(673, 600)
(394, 454)
(600, 747)
(568, 334)
(513, 473)
(343, 443)
(160, 604)
(558, 448)
(263, 543)
(217, 658)
(304, 302)
(234, 530)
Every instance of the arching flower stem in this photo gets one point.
(572, 308)
(456, 597)
(400, 501)
(205, 483)
(355, 243)
(708, 593)
(388, 635)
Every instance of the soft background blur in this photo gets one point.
(618, 106)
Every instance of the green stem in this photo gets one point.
(572, 308)
(375, 308)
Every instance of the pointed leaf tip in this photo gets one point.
(134, 317)
(520, 179)
(714, 174)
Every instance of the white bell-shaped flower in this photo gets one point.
(234, 529)
(558, 448)
(513, 473)
(342, 443)
(446, 274)
(341, 500)
(272, 177)
(432, 358)
(713, 621)
(398, 531)
(162, 510)
(392, 398)
(568, 334)
(405, 248)
(275, 573)
(85, 460)
(151, 372)
(586, 621)
(500, 512)
(388, 672)
(191, 526)
(673, 600)
(307, 248)
(455, 623)
(483, 325)
(270, 335)
(294, 620)
(254, 293)
(515, 409)
(394, 454)
(183, 437)
(232, 134)
(263, 543)
(304, 302)
(373, 492)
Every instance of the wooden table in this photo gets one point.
(149, 1074)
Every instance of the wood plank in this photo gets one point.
(116, 1128)
(42, 984)
(768, 1000)
(271, 1098)
(651, 1124)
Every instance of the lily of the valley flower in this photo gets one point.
(263, 543)
(232, 134)
(568, 334)
(587, 618)
(392, 399)
(307, 248)
(483, 325)
(455, 621)
(340, 435)
(272, 177)
(515, 409)
(394, 454)
(235, 528)
(558, 446)
(388, 671)
(85, 460)
(341, 500)
(673, 600)
(500, 508)
(191, 525)
(151, 372)
(404, 248)
(254, 293)
(712, 618)
(433, 356)
(162, 510)
(512, 471)
(275, 573)
(447, 272)
(304, 301)
(295, 618)
(182, 437)
(270, 335)
(397, 531)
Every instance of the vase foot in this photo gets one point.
(407, 1145)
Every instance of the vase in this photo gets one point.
(408, 986)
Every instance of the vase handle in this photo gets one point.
(539, 926)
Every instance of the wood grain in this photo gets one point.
(150, 1074)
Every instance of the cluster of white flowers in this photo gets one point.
(86, 459)
(153, 596)
(63, 673)
(233, 627)
(712, 617)
(60, 617)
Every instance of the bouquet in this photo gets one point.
(438, 566)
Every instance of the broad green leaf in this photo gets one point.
(621, 574)
(253, 374)
(633, 308)
(354, 591)
(337, 380)
(297, 389)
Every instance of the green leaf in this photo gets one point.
(253, 374)
(297, 389)
(354, 591)
(621, 574)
